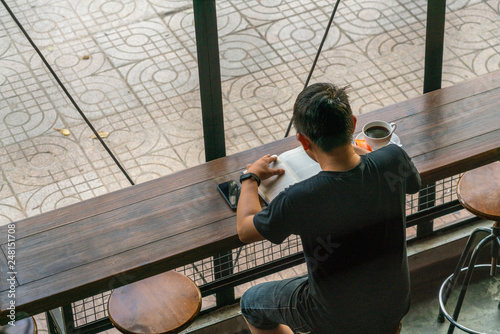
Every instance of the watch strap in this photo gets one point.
(249, 175)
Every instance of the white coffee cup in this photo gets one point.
(378, 133)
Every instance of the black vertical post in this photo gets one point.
(60, 320)
(207, 45)
(52, 326)
(426, 200)
(433, 72)
(434, 42)
(223, 266)
(69, 324)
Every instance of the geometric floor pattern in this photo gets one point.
(131, 66)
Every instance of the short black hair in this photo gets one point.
(323, 114)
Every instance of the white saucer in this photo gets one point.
(394, 139)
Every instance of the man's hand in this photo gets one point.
(248, 203)
(261, 167)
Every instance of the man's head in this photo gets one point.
(322, 113)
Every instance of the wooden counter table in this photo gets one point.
(90, 247)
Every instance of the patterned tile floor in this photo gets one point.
(131, 66)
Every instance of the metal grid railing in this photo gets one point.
(241, 259)
(441, 192)
(90, 309)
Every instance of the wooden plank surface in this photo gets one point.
(118, 238)
(216, 170)
(448, 131)
(486, 147)
(5, 285)
(112, 272)
(153, 227)
(131, 227)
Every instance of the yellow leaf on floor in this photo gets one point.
(102, 134)
(63, 131)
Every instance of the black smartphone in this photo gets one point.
(230, 190)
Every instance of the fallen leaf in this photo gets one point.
(102, 134)
(49, 48)
(85, 57)
(63, 131)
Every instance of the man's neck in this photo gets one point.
(340, 159)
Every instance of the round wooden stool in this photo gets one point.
(165, 303)
(479, 192)
(24, 326)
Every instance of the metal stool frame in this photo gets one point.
(450, 282)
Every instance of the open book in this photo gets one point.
(297, 165)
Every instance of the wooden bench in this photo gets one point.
(102, 243)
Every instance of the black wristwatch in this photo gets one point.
(247, 176)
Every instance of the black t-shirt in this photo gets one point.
(352, 227)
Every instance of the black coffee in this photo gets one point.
(377, 132)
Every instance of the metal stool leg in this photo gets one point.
(463, 257)
(495, 248)
(468, 277)
(495, 252)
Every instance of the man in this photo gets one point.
(351, 221)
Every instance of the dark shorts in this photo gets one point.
(269, 304)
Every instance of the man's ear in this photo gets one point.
(355, 120)
(306, 142)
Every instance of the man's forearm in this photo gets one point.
(248, 206)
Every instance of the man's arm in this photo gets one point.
(248, 203)
(413, 181)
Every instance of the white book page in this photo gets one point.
(271, 187)
(302, 165)
(297, 165)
